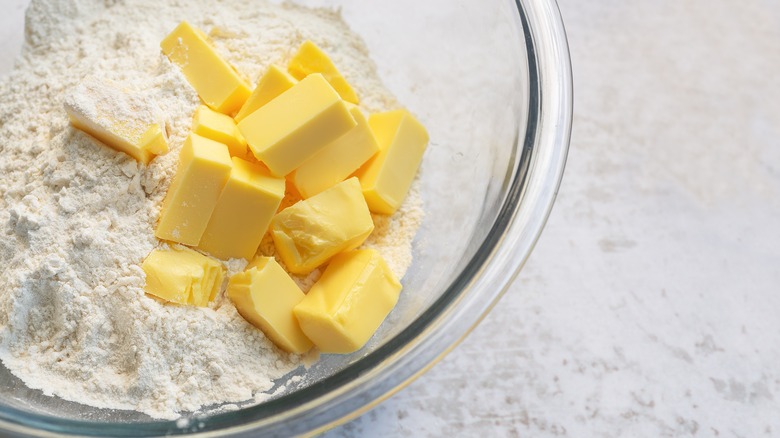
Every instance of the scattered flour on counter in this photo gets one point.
(77, 218)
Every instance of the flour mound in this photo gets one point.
(77, 218)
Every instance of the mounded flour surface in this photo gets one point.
(77, 218)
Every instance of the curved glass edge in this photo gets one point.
(433, 334)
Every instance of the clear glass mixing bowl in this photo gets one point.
(492, 82)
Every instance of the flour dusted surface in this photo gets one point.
(77, 218)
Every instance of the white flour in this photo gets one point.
(77, 218)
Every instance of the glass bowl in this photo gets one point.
(491, 80)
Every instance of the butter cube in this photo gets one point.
(154, 140)
(338, 160)
(312, 231)
(386, 178)
(181, 275)
(243, 212)
(265, 295)
(121, 120)
(204, 168)
(349, 302)
(273, 83)
(290, 129)
(219, 127)
(311, 59)
(215, 81)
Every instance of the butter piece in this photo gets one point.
(312, 231)
(265, 295)
(290, 129)
(154, 140)
(273, 83)
(338, 160)
(349, 302)
(215, 81)
(181, 275)
(386, 178)
(121, 120)
(243, 212)
(219, 127)
(204, 168)
(311, 59)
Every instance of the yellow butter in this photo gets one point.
(215, 81)
(265, 295)
(311, 59)
(312, 231)
(290, 129)
(124, 121)
(219, 127)
(273, 83)
(181, 275)
(386, 178)
(245, 207)
(204, 167)
(154, 140)
(338, 160)
(349, 302)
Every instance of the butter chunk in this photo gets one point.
(122, 120)
(243, 212)
(338, 160)
(312, 231)
(216, 82)
(386, 178)
(265, 296)
(311, 59)
(219, 127)
(204, 168)
(273, 83)
(349, 302)
(291, 128)
(154, 140)
(181, 275)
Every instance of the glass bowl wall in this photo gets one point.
(491, 81)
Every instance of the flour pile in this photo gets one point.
(77, 218)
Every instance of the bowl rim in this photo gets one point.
(536, 177)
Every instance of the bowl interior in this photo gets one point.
(460, 66)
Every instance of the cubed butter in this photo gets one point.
(219, 127)
(243, 212)
(311, 59)
(312, 231)
(216, 82)
(204, 168)
(297, 124)
(154, 140)
(181, 275)
(349, 302)
(265, 296)
(124, 121)
(338, 160)
(386, 177)
(273, 83)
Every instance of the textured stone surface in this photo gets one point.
(650, 306)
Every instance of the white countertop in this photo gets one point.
(651, 306)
